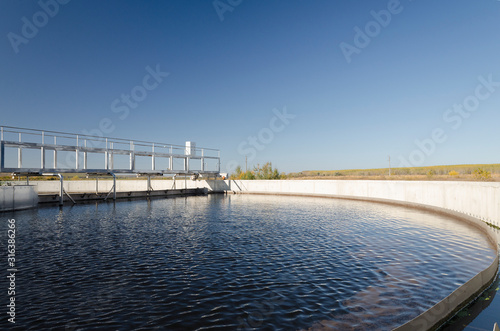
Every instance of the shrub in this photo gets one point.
(453, 173)
(264, 172)
(480, 174)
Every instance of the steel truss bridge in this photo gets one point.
(62, 153)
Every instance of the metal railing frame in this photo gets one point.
(81, 146)
(133, 149)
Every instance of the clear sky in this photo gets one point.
(305, 84)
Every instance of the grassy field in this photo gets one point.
(465, 172)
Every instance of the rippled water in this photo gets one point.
(263, 262)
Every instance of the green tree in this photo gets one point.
(247, 175)
(264, 172)
(267, 172)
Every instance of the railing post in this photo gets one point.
(132, 156)
(42, 157)
(171, 160)
(2, 155)
(106, 156)
(85, 155)
(20, 154)
(111, 157)
(153, 158)
(218, 161)
(55, 153)
(42, 152)
(77, 161)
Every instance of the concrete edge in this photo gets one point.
(49, 198)
(17, 197)
(435, 316)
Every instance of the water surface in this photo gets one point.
(237, 262)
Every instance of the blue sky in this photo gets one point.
(293, 82)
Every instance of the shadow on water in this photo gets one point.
(481, 314)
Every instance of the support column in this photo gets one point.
(114, 185)
(61, 193)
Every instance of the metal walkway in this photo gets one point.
(78, 149)
(57, 153)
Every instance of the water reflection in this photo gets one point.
(239, 262)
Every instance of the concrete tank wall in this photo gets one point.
(122, 185)
(17, 197)
(478, 199)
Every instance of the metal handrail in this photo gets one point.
(107, 140)
(83, 143)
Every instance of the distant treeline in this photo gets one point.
(451, 170)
